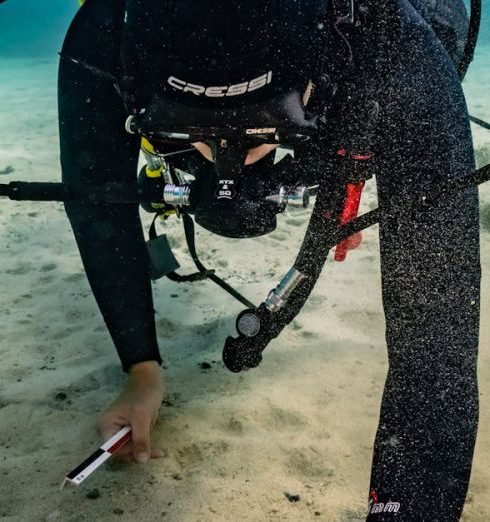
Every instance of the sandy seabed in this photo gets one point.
(302, 423)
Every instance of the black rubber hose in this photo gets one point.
(116, 193)
(108, 193)
(242, 353)
(473, 31)
(480, 122)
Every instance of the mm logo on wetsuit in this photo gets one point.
(218, 92)
(389, 507)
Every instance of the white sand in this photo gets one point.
(303, 422)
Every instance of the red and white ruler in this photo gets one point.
(98, 457)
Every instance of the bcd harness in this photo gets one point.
(337, 203)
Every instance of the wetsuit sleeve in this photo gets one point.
(430, 285)
(95, 149)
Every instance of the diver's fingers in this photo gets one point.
(110, 423)
(141, 424)
(157, 453)
(125, 454)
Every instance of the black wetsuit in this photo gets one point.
(429, 260)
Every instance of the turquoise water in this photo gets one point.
(36, 27)
(31, 28)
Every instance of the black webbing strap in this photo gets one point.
(190, 237)
(373, 216)
(203, 273)
(152, 233)
(188, 278)
(471, 39)
(480, 122)
(174, 276)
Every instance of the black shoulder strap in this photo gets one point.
(189, 235)
(203, 272)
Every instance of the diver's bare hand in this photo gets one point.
(137, 406)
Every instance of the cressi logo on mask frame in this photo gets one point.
(220, 91)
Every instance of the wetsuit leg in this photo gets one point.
(95, 149)
(430, 286)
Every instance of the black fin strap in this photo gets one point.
(190, 237)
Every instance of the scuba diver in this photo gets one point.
(208, 91)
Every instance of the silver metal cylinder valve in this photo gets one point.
(297, 197)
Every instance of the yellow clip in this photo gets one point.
(157, 206)
(147, 146)
(153, 173)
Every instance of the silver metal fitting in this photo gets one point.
(153, 162)
(177, 194)
(298, 197)
(278, 297)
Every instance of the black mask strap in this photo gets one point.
(229, 157)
